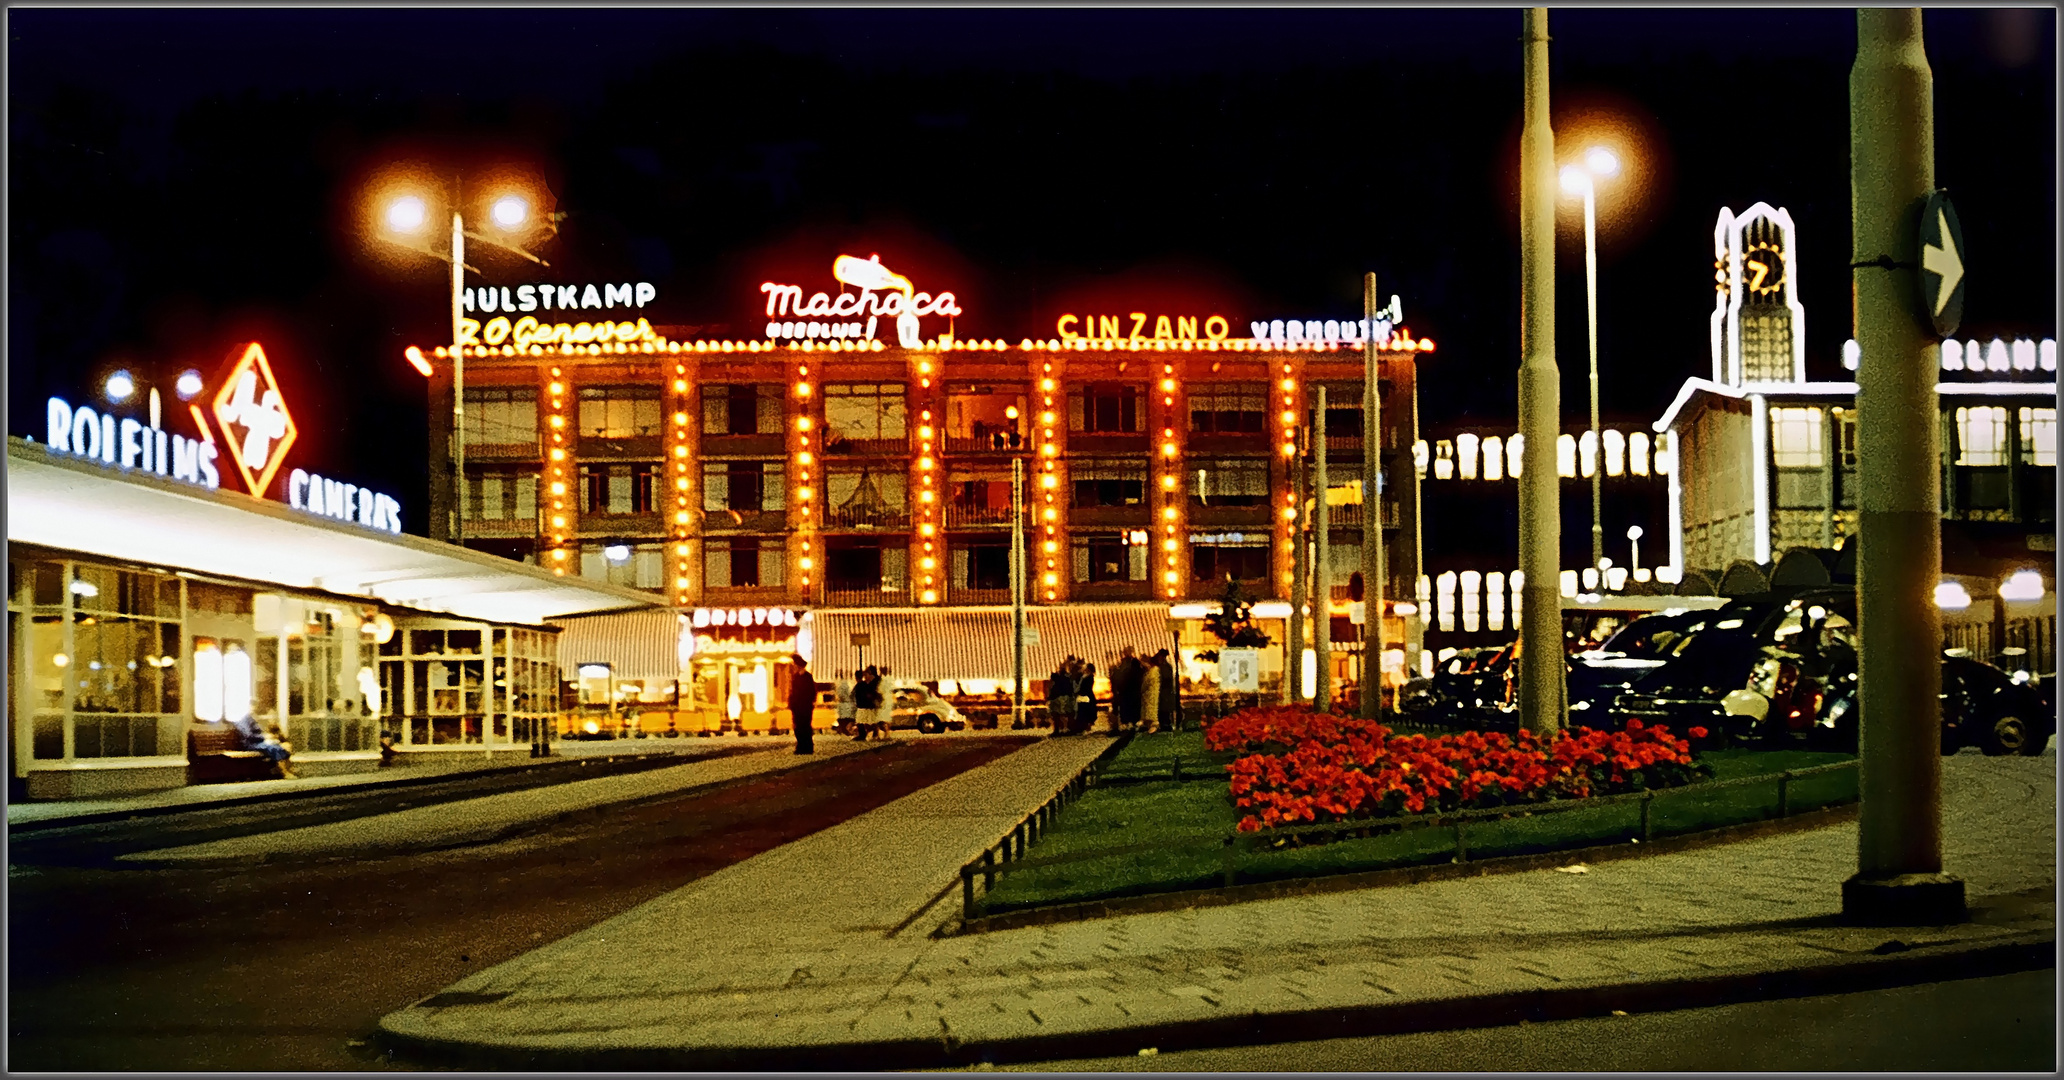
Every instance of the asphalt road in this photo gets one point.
(289, 967)
(2005, 1023)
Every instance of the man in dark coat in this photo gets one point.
(802, 704)
(1169, 702)
(1127, 680)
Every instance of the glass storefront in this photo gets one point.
(451, 683)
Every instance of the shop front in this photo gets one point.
(149, 616)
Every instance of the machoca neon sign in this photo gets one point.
(883, 294)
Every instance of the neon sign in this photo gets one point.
(529, 331)
(344, 502)
(127, 443)
(883, 294)
(1391, 316)
(269, 429)
(1166, 328)
(488, 299)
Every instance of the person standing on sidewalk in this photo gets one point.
(1085, 697)
(1060, 697)
(802, 704)
(1126, 683)
(1169, 711)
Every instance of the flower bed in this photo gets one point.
(1302, 766)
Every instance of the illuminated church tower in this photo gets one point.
(1758, 327)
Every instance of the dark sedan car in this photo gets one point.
(1982, 706)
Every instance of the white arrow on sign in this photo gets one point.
(1943, 261)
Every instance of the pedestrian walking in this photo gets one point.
(1060, 696)
(885, 712)
(867, 698)
(1150, 696)
(1168, 716)
(1126, 680)
(802, 704)
(844, 690)
(1085, 696)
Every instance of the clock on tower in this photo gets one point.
(1758, 324)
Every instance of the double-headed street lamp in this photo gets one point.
(407, 215)
(1578, 180)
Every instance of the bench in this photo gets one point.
(214, 755)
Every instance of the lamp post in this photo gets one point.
(407, 215)
(1577, 180)
(1634, 559)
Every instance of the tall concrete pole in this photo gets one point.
(1322, 574)
(1899, 878)
(1541, 689)
(1017, 583)
(1373, 572)
(1293, 649)
(458, 409)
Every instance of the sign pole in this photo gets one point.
(1899, 879)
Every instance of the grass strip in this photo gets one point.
(1189, 821)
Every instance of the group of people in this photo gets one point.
(1145, 695)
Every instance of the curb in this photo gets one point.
(1403, 875)
(1917, 964)
(506, 832)
(104, 816)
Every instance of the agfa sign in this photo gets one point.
(249, 400)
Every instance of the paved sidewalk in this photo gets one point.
(488, 817)
(416, 767)
(805, 970)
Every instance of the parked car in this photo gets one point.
(917, 707)
(1981, 705)
(1707, 672)
(1598, 676)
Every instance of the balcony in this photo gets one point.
(767, 445)
(501, 528)
(611, 525)
(960, 516)
(836, 445)
(744, 596)
(1108, 591)
(883, 596)
(996, 442)
(1215, 515)
(957, 595)
(501, 451)
(1136, 516)
(753, 521)
(591, 446)
(866, 517)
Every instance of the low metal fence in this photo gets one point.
(1015, 840)
(1007, 856)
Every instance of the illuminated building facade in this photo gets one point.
(852, 475)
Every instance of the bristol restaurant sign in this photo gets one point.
(256, 432)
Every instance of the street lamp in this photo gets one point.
(1634, 562)
(1577, 180)
(408, 214)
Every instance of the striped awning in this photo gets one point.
(635, 644)
(975, 643)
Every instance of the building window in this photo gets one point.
(2039, 436)
(617, 489)
(1104, 557)
(742, 409)
(1109, 482)
(744, 562)
(1217, 558)
(1107, 408)
(502, 417)
(985, 418)
(103, 659)
(981, 566)
(1795, 438)
(1230, 482)
(863, 411)
(1845, 437)
(502, 496)
(1229, 408)
(640, 567)
(749, 487)
(619, 412)
(1982, 435)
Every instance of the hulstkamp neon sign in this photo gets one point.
(883, 293)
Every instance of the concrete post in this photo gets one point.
(1017, 583)
(458, 359)
(1293, 647)
(1540, 401)
(1322, 574)
(1373, 570)
(1899, 878)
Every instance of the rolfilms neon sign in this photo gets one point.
(883, 294)
(127, 443)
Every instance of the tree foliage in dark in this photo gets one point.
(1233, 622)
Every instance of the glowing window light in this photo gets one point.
(1444, 592)
(1493, 458)
(1637, 453)
(1569, 584)
(2039, 435)
(1420, 455)
(1589, 577)
(1471, 583)
(1443, 460)
(1982, 435)
(1615, 578)
(1465, 455)
(1515, 452)
(1664, 461)
(1494, 600)
(1566, 455)
(1615, 451)
(2023, 587)
(1587, 453)
(207, 669)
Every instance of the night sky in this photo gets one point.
(182, 180)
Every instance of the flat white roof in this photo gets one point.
(59, 502)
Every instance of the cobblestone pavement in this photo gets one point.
(805, 965)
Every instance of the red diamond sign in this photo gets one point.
(254, 419)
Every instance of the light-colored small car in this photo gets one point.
(917, 707)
